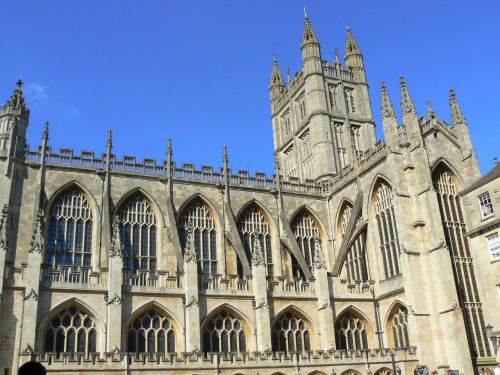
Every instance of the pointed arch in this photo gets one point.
(268, 214)
(350, 372)
(253, 223)
(356, 311)
(383, 371)
(397, 326)
(211, 205)
(71, 326)
(138, 190)
(442, 162)
(292, 330)
(152, 328)
(394, 305)
(345, 202)
(79, 185)
(306, 208)
(72, 218)
(353, 330)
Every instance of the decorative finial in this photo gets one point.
(19, 84)
(288, 75)
(348, 28)
(457, 116)
(495, 161)
(402, 81)
(406, 100)
(45, 136)
(387, 107)
(430, 110)
(275, 59)
(169, 147)
(305, 13)
(225, 158)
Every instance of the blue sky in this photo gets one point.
(198, 71)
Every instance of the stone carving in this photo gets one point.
(257, 256)
(406, 101)
(115, 300)
(116, 249)
(387, 107)
(31, 296)
(4, 242)
(326, 305)
(193, 301)
(190, 250)
(115, 350)
(262, 304)
(37, 242)
(28, 349)
(319, 261)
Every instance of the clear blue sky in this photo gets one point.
(198, 71)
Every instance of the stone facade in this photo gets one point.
(342, 262)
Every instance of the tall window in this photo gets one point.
(291, 333)
(199, 217)
(350, 332)
(71, 331)
(486, 205)
(151, 332)
(138, 231)
(454, 228)
(398, 327)
(69, 240)
(301, 107)
(494, 245)
(306, 232)
(332, 90)
(224, 333)
(356, 262)
(285, 123)
(387, 229)
(253, 224)
(341, 143)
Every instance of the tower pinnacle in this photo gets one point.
(387, 107)
(309, 36)
(406, 101)
(276, 77)
(457, 116)
(17, 99)
(351, 46)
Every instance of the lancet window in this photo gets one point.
(199, 216)
(350, 100)
(151, 332)
(341, 143)
(306, 232)
(356, 261)
(285, 123)
(398, 327)
(224, 333)
(69, 240)
(301, 107)
(454, 228)
(291, 333)
(71, 331)
(350, 333)
(332, 89)
(306, 154)
(138, 233)
(290, 162)
(387, 229)
(254, 225)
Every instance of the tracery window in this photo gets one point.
(71, 331)
(291, 333)
(350, 100)
(199, 217)
(254, 224)
(69, 240)
(341, 143)
(301, 107)
(355, 131)
(398, 324)
(224, 333)
(332, 89)
(290, 162)
(387, 229)
(356, 260)
(285, 123)
(454, 228)
(306, 232)
(350, 333)
(138, 233)
(306, 154)
(151, 332)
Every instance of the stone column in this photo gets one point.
(192, 308)
(325, 312)
(32, 286)
(259, 286)
(115, 282)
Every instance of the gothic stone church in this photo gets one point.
(351, 259)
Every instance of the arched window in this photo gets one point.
(199, 217)
(291, 333)
(397, 326)
(383, 371)
(138, 231)
(387, 229)
(72, 330)
(454, 228)
(224, 333)
(306, 232)
(350, 332)
(151, 332)
(356, 261)
(69, 240)
(254, 224)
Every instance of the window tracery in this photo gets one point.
(301, 107)
(224, 333)
(252, 224)
(291, 333)
(285, 123)
(399, 328)
(151, 332)
(138, 233)
(387, 229)
(199, 217)
(306, 232)
(71, 331)
(69, 239)
(350, 333)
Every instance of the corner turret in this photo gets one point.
(353, 57)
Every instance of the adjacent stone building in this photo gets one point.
(357, 256)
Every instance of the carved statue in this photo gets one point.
(37, 242)
(257, 256)
(319, 261)
(190, 250)
(116, 249)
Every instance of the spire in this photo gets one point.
(45, 136)
(276, 78)
(457, 116)
(430, 111)
(407, 105)
(308, 37)
(109, 144)
(169, 158)
(17, 99)
(225, 158)
(387, 107)
(351, 46)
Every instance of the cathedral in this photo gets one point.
(353, 258)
